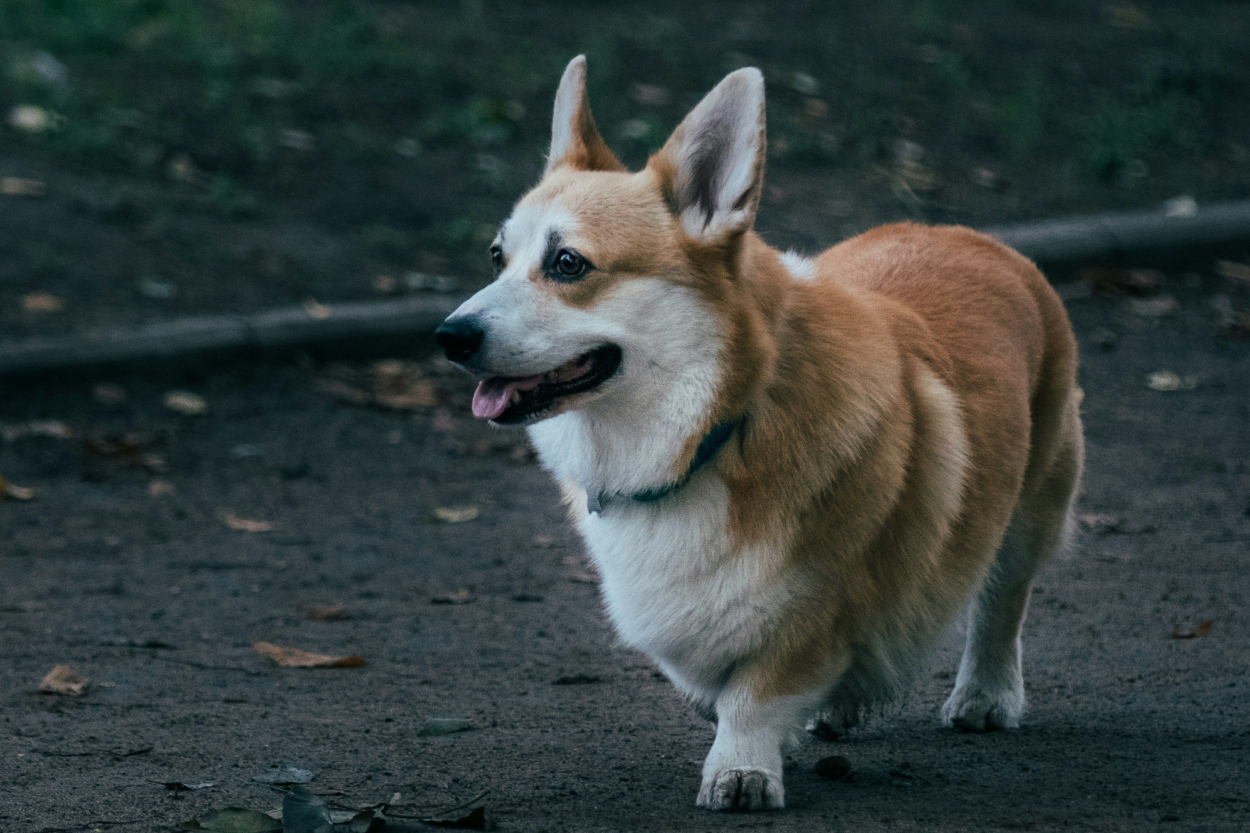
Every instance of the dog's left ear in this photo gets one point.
(575, 140)
(712, 166)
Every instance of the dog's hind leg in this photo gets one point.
(989, 688)
(835, 721)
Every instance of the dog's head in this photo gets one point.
(611, 286)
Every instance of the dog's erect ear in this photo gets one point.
(713, 164)
(575, 141)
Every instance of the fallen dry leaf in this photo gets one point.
(42, 303)
(390, 383)
(30, 118)
(398, 385)
(246, 525)
(456, 514)
(185, 403)
(468, 815)
(436, 726)
(326, 613)
(10, 491)
(1100, 523)
(456, 597)
(1233, 269)
(1196, 632)
(1183, 206)
(1166, 380)
(63, 680)
(316, 310)
(236, 820)
(181, 168)
(16, 186)
(295, 658)
(13, 431)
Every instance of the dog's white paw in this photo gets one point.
(974, 708)
(743, 790)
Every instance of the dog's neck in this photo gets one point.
(704, 367)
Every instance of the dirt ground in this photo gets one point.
(125, 567)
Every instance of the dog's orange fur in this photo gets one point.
(843, 451)
(845, 475)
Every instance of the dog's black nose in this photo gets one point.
(459, 338)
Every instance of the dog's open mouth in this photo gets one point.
(508, 400)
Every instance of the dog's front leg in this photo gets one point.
(743, 770)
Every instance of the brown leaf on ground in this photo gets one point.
(63, 680)
(10, 491)
(54, 428)
(1100, 523)
(326, 613)
(391, 384)
(1196, 632)
(42, 303)
(456, 597)
(16, 186)
(247, 525)
(295, 658)
(399, 385)
(1233, 269)
(343, 391)
(1124, 281)
(456, 514)
(185, 403)
(1168, 381)
(316, 310)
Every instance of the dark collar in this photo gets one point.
(711, 443)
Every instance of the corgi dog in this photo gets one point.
(791, 473)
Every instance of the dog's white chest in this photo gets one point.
(674, 589)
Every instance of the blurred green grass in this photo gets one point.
(413, 125)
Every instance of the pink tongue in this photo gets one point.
(493, 395)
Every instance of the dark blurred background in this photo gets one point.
(166, 157)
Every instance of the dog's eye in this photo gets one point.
(496, 258)
(569, 264)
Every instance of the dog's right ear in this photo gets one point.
(575, 140)
(712, 167)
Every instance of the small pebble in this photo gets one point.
(834, 768)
